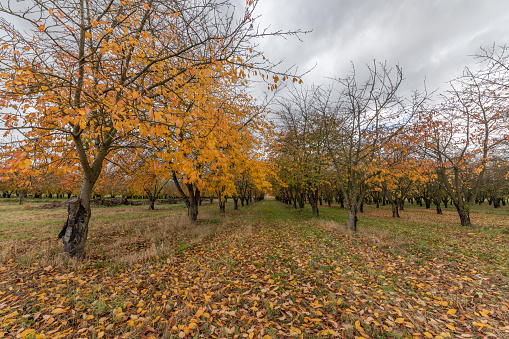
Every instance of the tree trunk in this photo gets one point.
(395, 210)
(427, 201)
(496, 203)
(464, 215)
(401, 204)
(352, 219)
(222, 202)
(302, 201)
(152, 203)
(192, 212)
(439, 209)
(222, 207)
(194, 200)
(22, 196)
(313, 201)
(235, 203)
(75, 230)
(361, 207)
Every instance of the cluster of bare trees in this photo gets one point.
(362, 141)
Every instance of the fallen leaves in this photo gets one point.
(280, 280)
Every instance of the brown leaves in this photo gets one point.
(256, 277)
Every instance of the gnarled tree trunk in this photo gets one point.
(75, 230)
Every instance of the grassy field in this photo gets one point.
(265, 271)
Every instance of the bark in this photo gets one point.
(222, 207)
(192, 212)
(496, 203)
(222, 203)
(152, 203)
(75, 230)
(235, 203)
(302, 201)
(395, 209)
(192, 199)
(22, 196)
(313, 201)
(445, 201)
(427, 201)
(464, 215)
(439, 209)
(352, 218)
(401, 203)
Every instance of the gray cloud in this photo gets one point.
(432, 39)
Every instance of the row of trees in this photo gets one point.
(357, 141)
(154, 89)
(118, 184)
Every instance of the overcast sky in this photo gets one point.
(432, 39)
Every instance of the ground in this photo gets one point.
(265, 271)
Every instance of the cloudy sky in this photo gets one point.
(432, 39)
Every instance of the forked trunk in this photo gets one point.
(192, 198)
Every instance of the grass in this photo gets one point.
(266, 270)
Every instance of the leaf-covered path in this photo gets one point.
(268, 271)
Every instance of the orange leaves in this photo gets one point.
(146, 6)
(451, 311)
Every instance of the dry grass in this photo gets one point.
(125, 235)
